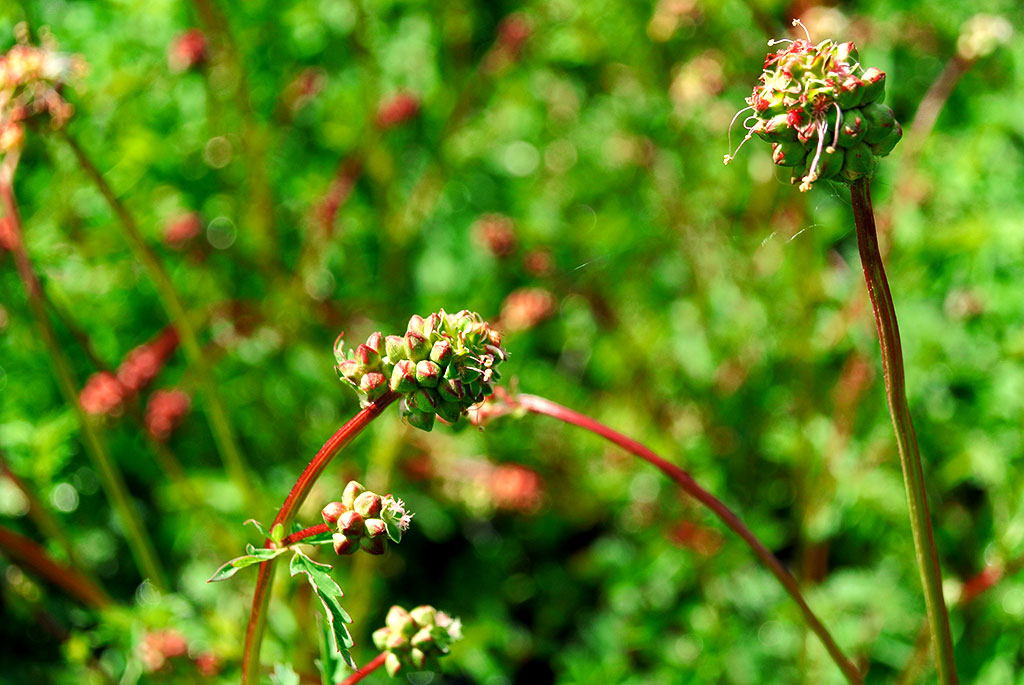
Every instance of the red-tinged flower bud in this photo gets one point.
(375, 527)
(885, 146)
(417, 658)
(394, 348)
(427, 399)
(367, 504)
(376, 342)
(424, 615)
(396, 641)
(351, 524)
(345, 545)
(380, 637)
(392, 664)
(428, 374)
(351, 369)
(403, 378)
(332, 512)
(373, 385)
(375, 546)
(858, 162)
(874, 86)
(880, 121)
(399, 620)
(449, 411)
(352, 490)
(424, 638)
(441, 353)
(416, 346)
(451, 390)
(788, 154)
(367, 357)
(431, 325)
(415, 324)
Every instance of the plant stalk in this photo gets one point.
(33, 556)
(299, 492)
(109, 474)
(366, 670)
(216, 415)
(540, 405)
(906, 441)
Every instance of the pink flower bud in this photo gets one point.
(345, 545)
(352, 490)
(375, 545)
(367, 504)
(332, 512)
(375, 527)
(351, 523)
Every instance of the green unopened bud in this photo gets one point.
(415, 324)
(332, 512)
(352, 490)
(874, 85)
(403, 378)
(380, 637)
(392, 664)
(852, 128)
(449, 411)
(423, 638)
(352, 370)
(396, 641)
(394, 348)
(376, 546)
(441, 353)
(788, 154)
(427, 399)
(351, 523)
(431, 326)
(344, 544)
(416, 346)
(367, 357)
(777, 129)
(880, 120)
(373, 385)
(424, 615)
(428, 374)
(885, 146)
(367, 504)
(418, 659)
(376, 342)
(422, 420)
(398, 619)
(858, 162)
(451, 390)
(375, 527)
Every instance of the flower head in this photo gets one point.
(822, 112)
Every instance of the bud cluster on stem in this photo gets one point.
(416, 639)
(365, 520)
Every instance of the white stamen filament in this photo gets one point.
(732, 154)
(839, 122)
(812, 175)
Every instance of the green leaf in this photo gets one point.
(277, 533)
(234, 566)
(332, 665)
(394, 530)
(258, 526)
(320, 539)
(284, 674)
(329, 593)
(264, 553)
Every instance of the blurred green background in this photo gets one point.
(556, 166)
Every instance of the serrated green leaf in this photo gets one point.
(319, 574)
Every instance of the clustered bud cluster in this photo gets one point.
(30, 81)
(416, 639)
(822, 112)
(365, 520)
(442, 366)
(105, 393)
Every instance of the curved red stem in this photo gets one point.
(366, 670)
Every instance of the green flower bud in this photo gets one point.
(880, 121)
(396, 641)
(373, 385)
(351, 523)
(415, 324)
(380, 637)
(352, 490)
(418, 659)
(885, 146)
(428, 374)
(874, 86)
(332, 512)
(858, 162)
(427, 399)
(367, 357)
(392, 664)
(394, 347)
(367, 504)
(351, 370)
(422, 420)
(776, 130)
(449, 411)
(403, 378)
(451, 390)
(375, 546)
(375, 527)
(398, 619)
(431, 325)
(376, 342)
(441, 353)
(344, 545)
(788, 154)
(416, 346)
(424, 615)
(423, 638)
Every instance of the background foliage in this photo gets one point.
(712, 312)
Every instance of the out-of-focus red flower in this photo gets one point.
(525, 308)
(516, 488)
(497, 233)
(182, 229)
(538, 262)
(7, 235)
(141, 365)
(165, 411)
(187, 51)
(396, 110)
(302, 89)
(208, 664)
(704, 541)
(102, 394)
(160, 645)
(513, 32)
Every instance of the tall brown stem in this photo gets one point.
(34, 557)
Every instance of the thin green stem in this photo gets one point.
(216, 415)
(906, 441)
(110, 476)
(299, 492)
(540, 405)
